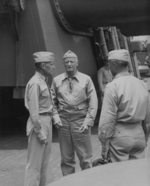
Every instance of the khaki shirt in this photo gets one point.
(37, 99)
(126, 100)
(82, 96)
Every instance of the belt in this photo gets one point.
(129, 123)
(45, 114)
(73, 107)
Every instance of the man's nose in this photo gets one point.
(69, 63)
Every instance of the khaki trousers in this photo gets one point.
(128, 142)
(71, 141)
(38, 155)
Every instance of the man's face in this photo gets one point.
(48, 67)
(71, 64)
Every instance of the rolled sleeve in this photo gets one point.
(108, 116)
(92, 104)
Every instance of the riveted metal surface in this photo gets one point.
(127, 15)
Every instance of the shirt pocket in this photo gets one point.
(44, 97)
(79, 93)
(45, 93)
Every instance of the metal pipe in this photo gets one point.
(113, 38)
(103, 44)
(116, 38)
(13, 21)
(134, 65)
(127, 48)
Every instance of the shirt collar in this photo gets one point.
(121, 74)
(40, 76)
(76, 76)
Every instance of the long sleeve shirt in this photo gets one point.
(37, 99)
(126, 100)
(76, 93)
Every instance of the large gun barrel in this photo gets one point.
(131, 16)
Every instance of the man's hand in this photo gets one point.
(40, 133)
(57, 121)
(105, 149)
(58, 124)
(41, 136)
(37, 126)
(83, 128)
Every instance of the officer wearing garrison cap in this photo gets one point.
(75, 107)
(39, 128)
(125, 112)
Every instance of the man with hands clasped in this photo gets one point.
(75, 106)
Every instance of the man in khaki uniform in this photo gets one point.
(75, 107)
(125, 107)
(104, 76)
(39, 128)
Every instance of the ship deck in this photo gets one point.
(13, 154)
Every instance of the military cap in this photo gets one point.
(120, 55)
(43, 57)
(69, 54)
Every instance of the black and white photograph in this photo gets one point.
(74, 92)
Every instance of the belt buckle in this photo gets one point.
(46, 114)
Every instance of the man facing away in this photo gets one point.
(125, 110)
(39, 128)
(75, 107)
(104, 76)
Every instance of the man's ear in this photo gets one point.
(43, 65)
(115, 64)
